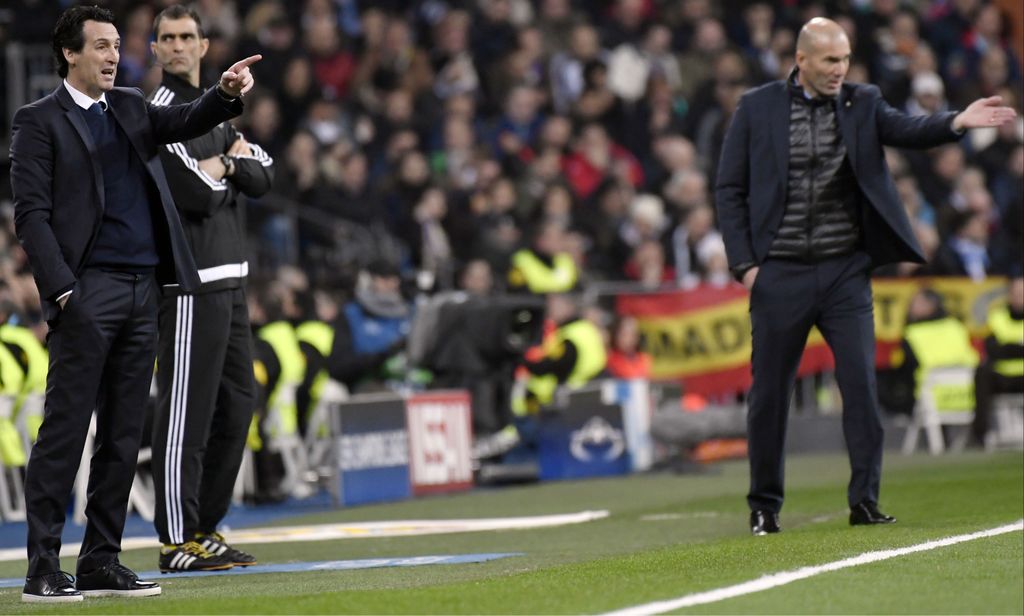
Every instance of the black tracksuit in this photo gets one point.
(206, 391)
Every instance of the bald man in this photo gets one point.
(807, 207)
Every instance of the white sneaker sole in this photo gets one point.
(141, 592)
(27, 598)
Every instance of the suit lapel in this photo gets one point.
(121, 118)
(847, 125)
(74, 116)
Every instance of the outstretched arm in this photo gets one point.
(183, 122)
(926, 131)
(984, 113)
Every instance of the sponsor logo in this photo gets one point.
(597, 437)
(374, 450)
(439, 441)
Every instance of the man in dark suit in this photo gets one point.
(96, 219)
(807, 207)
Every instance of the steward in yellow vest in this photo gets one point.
(281, 337)
(315, 341)
(546, 267)
(933, 339)
(12, 453)
(34, 361)
(573, 355)
(1003, 368)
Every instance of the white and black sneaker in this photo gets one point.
(214, 543)
(190, 556)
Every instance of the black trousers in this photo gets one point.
(101, 346)
(206, 395)
(787, 299)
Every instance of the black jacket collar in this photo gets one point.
(182, 89)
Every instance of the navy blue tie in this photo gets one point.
(96, 108)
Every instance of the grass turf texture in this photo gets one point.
(667, 536)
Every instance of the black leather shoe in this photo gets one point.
(867, 513)
(115, 580)
(56, 587)
(764, 522)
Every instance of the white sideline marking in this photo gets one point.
(664, 517)
(775, 580)
(355, 530)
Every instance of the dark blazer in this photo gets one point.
(58, 181)
(750, 191)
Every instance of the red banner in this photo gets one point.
(702, 336)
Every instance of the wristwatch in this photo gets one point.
(229, 164)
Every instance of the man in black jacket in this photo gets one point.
(807, 207)
(204, 377)
(95, 217)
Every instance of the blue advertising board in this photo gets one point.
(583, 439)
(373, 451)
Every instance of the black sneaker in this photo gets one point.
(214, 543)
(56, 587)
(115, 580)
(190, 556)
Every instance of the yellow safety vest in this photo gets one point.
(320, 336)
(941, 343)
(37, 358)
(591, 358)
(1006, 330)
(539, 277)
(38, 361)
(12, 453)
(280, 335)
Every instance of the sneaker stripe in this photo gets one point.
(221, 550)
(175, 560)
(188, 561)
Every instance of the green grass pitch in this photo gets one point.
(667, 536)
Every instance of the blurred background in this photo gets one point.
(486, 153)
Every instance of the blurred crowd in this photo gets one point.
(446, 135)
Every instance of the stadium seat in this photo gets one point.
(12, 489)
(322, 429)
(1008, 425)
(283, 438)
(929, 419)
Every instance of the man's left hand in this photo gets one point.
(984, 113)
(238, 80)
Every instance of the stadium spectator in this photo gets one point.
(1002, 370)
(965, 253)
(370, 331)
(627, 358)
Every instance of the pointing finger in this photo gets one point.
(241, 64)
